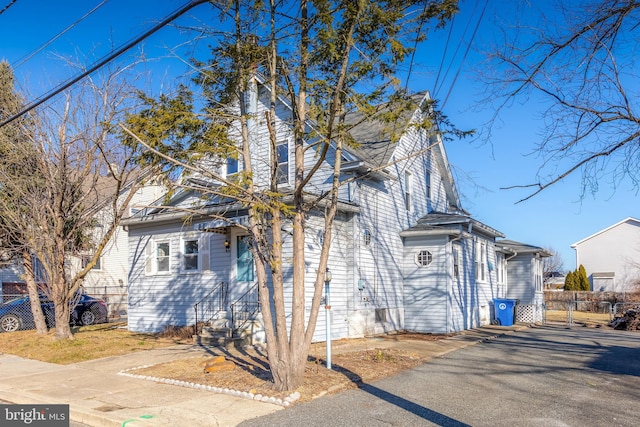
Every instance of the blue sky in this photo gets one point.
(555, 218)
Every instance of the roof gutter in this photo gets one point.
(435, 232)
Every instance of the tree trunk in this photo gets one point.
(34, 297)
(63, 330)
(289, 376)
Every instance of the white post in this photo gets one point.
(327, 307)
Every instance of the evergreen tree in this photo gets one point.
(583, 279)
(570, 282)
(17, 168)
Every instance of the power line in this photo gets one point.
(105, 60)
(455, 53)
(11, 3)
(444, 54)
(473, 36)
(54, 38)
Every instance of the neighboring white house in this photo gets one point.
(109, 278)
(611, 256)
(404, 256)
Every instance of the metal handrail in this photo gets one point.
(245, 308)
(211, 304)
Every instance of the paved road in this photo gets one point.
(543, 376)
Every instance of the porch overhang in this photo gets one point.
(452, 232)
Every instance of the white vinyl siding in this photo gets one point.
(151, 305)
(426, 290)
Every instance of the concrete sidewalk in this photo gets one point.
(99, 396)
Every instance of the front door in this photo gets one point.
(244, 261)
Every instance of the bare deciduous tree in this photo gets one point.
(579, 59)
(79, 185)
(552, 264)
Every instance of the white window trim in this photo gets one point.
(367, 237)
(239, 167)
(480, 255)
(418, 257)
(183, 240)
(154, 259)
(84, 260)
(280, 142)
(456, 252)
(408, 191)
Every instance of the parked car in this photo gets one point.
(16, 313)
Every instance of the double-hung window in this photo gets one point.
(162, 257)
(481, 261)
(233, 166)
(87, 258)
(408, 189)
(456, 261)
(190, 258)
(282, 157)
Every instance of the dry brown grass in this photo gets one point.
(579, 317)
(90, 342)
(349, 370)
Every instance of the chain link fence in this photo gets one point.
(588, 308)
(16, 313)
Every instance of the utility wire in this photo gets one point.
(105, 60)
(444, 55)
(415, 47)
(11, 3)
(48, 42)
(475, 31)
(455, 53)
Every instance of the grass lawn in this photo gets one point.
(91, 342)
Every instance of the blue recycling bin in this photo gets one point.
(504, 311)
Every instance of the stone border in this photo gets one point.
(243, 394)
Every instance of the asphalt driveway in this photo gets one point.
(542, 376)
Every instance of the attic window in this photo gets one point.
(423, 258)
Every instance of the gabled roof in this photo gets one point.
(374, 136)
(446, 223)
(376, 145)
(628, 219)
(511, 246)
